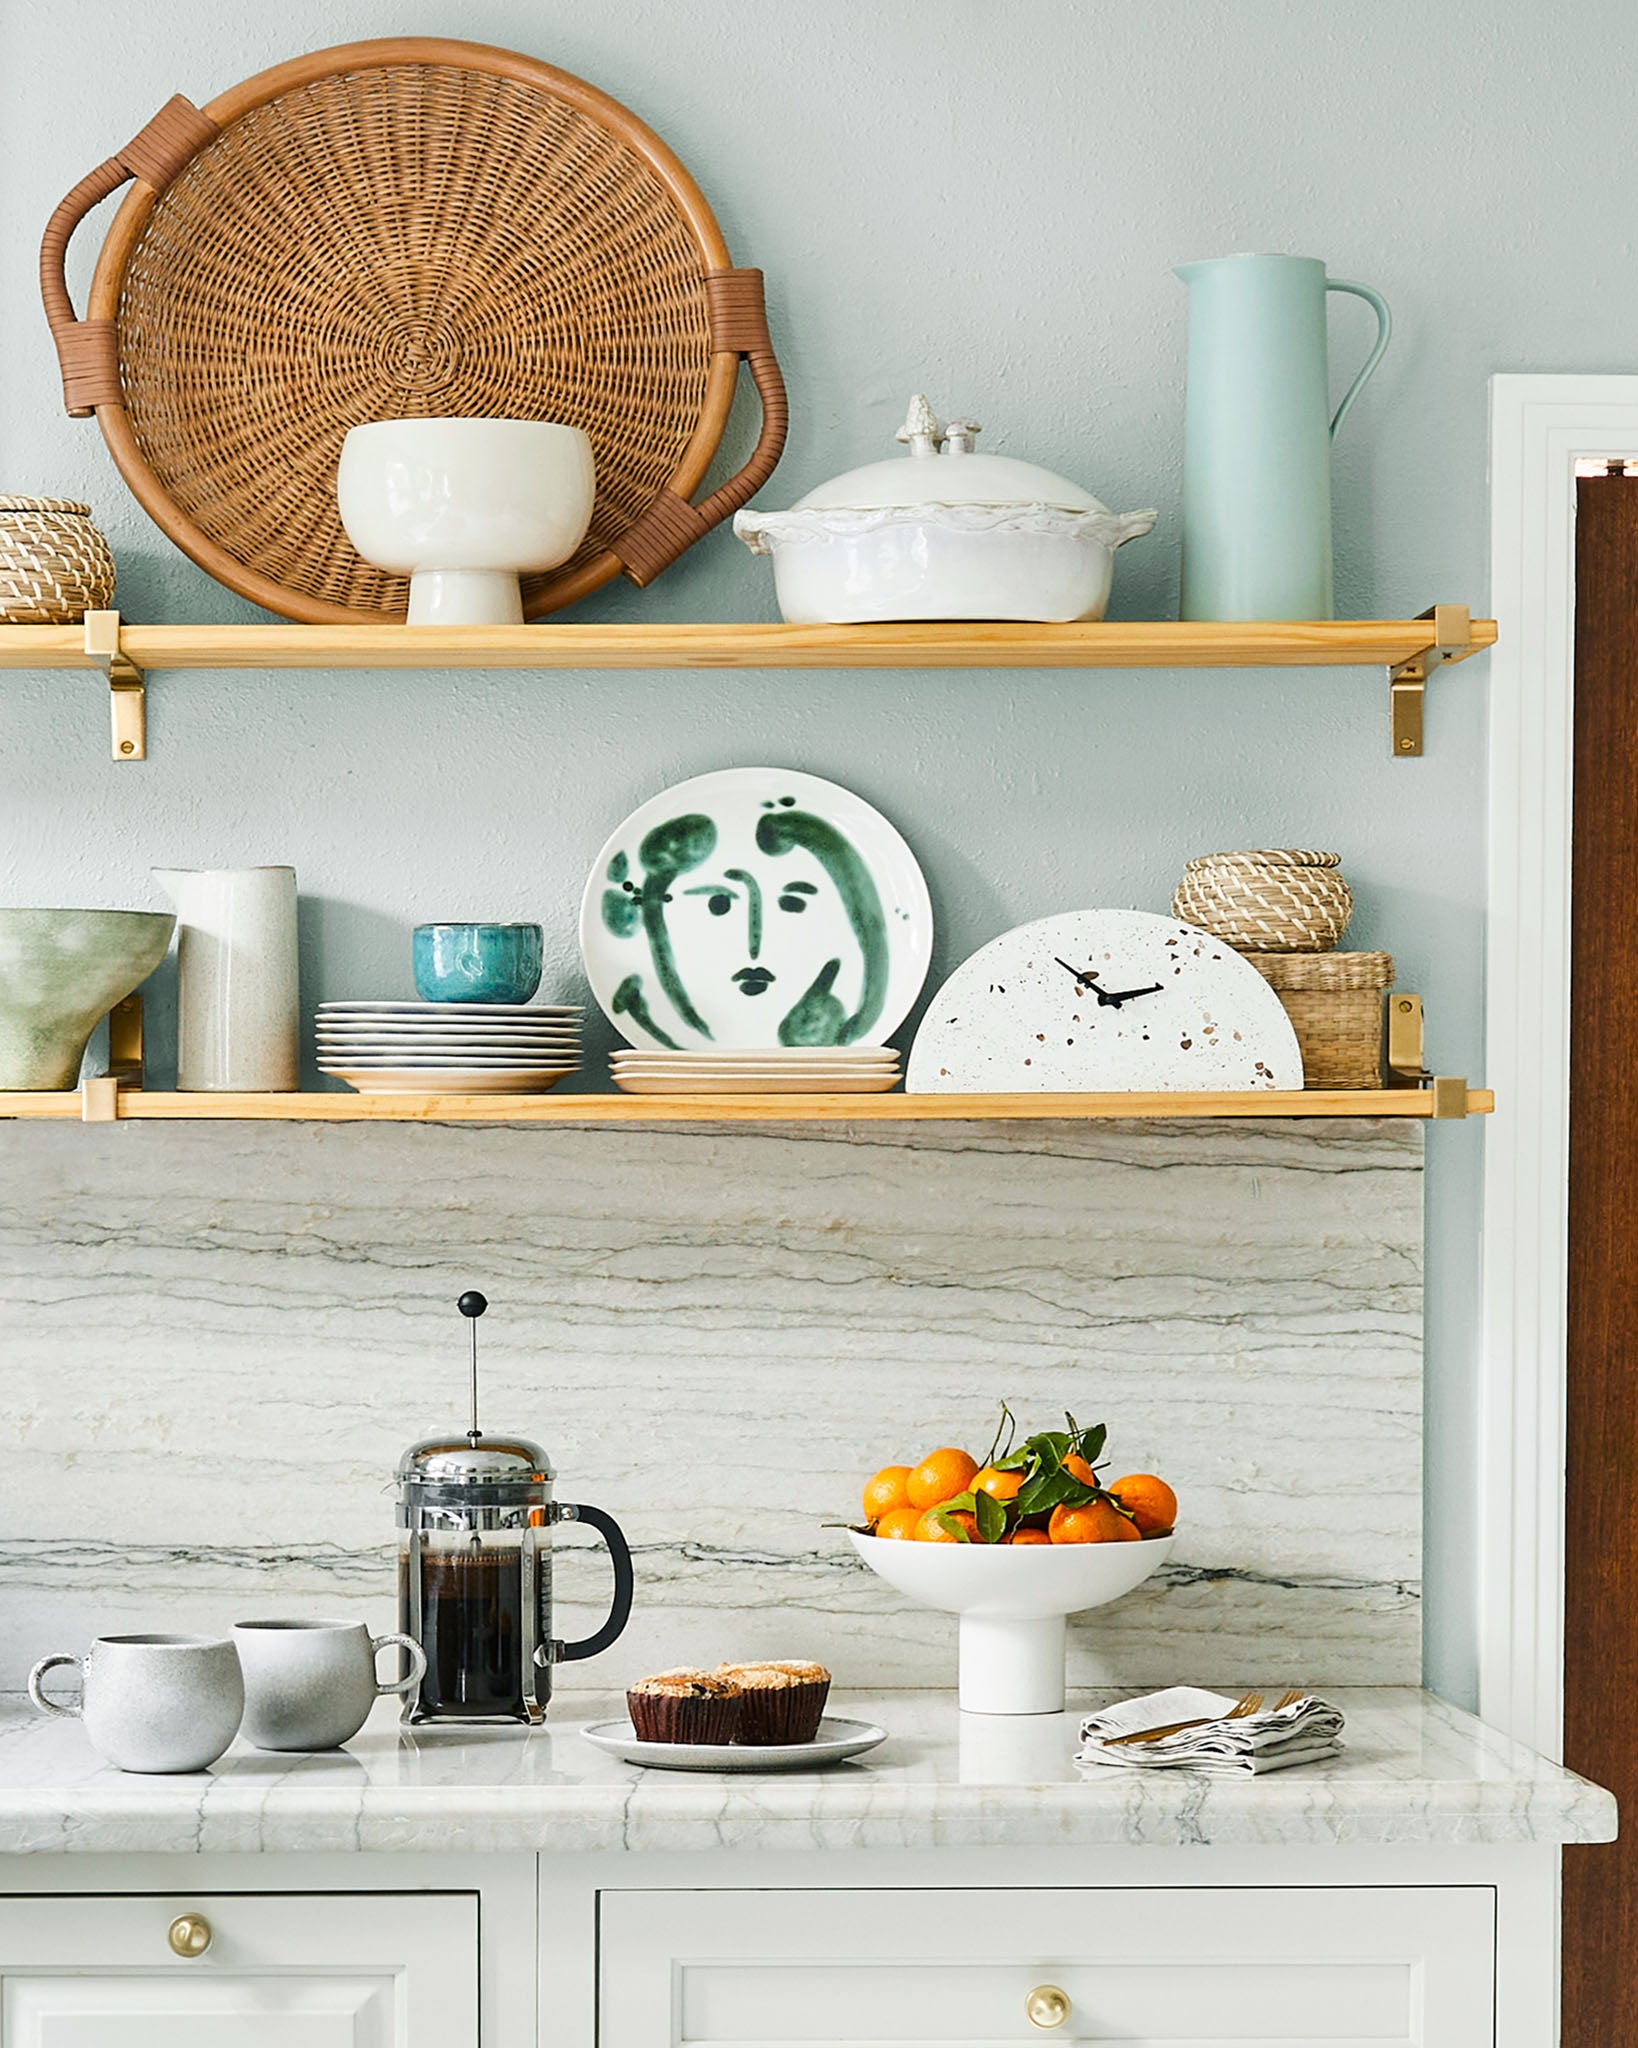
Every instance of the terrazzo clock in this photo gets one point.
(1095, 1000)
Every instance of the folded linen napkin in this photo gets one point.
(1302, 1733)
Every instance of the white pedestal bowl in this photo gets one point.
(1013, 1600)
(463, 508)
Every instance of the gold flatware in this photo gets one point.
(1248, 1703)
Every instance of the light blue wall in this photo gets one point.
(984, 202)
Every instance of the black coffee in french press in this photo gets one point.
(475, 1518)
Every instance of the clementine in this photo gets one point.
(886, 1492)
(940, 1476)
(1149, 1501)
(1098, 1521)
(1001, 1486)
(931, 1530)
(1080, 1469)
(1028, 1536)
(900, 1525)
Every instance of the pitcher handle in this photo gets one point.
(417, 1663)
(620, 1606)
(1384, 328)
(37, 1695)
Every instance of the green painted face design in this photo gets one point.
(819, 1018)
(643, 904)
(669, 850)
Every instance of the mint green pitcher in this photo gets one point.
(1257, 436)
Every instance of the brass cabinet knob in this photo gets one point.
(1047, 2006)
(191, 1935)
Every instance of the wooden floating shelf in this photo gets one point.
(102, 1102)
(124, 654)
(1320, 643)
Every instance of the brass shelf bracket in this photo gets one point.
(127, 685)
(100, 1094)
(1405, 1059)
(1407, 681)
(125, 1060)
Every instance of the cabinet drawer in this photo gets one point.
(1390, 1968)
(329, 1970)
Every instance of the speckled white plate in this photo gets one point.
(836, 1741)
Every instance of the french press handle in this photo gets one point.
(620, 1607)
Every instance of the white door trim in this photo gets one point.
(1540, 426)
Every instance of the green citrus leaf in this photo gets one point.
(1049, 1490)
(1091, 1441)
(1049, 1447)
(991, 1517)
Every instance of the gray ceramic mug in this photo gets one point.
(311, 1684)
(153, 1702)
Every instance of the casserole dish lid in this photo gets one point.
(942, 468)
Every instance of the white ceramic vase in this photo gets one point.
(236, 1005)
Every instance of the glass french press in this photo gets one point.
(475, 1519)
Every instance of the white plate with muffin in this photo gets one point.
(739, 1717)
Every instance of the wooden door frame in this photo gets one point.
(1540, 427)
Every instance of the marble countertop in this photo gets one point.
(1415, 1770)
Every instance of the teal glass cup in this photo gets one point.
(477, 963)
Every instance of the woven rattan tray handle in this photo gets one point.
(671, 525)
(86, 349)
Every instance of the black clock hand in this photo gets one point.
(1126, 995)
(1109, 999)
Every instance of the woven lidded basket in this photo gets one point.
(409, 228)
(1269, 900)
(1334, 1001)
(54, 563)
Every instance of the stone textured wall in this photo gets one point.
(219, 1338)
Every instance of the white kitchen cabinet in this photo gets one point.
(281, 1971)
(1390, 1967)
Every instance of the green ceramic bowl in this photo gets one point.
(61, 972)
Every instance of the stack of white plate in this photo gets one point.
(777, 1070)
(448, 1048)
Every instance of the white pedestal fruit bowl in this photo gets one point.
(1013, 1601)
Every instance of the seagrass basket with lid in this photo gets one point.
(406, 228)
(54, 563)
(1267, 899)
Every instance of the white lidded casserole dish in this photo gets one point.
(943, 534)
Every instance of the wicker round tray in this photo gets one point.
(403, 229)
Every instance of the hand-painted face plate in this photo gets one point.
(756, 907)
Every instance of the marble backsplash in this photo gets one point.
(215, 1340)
